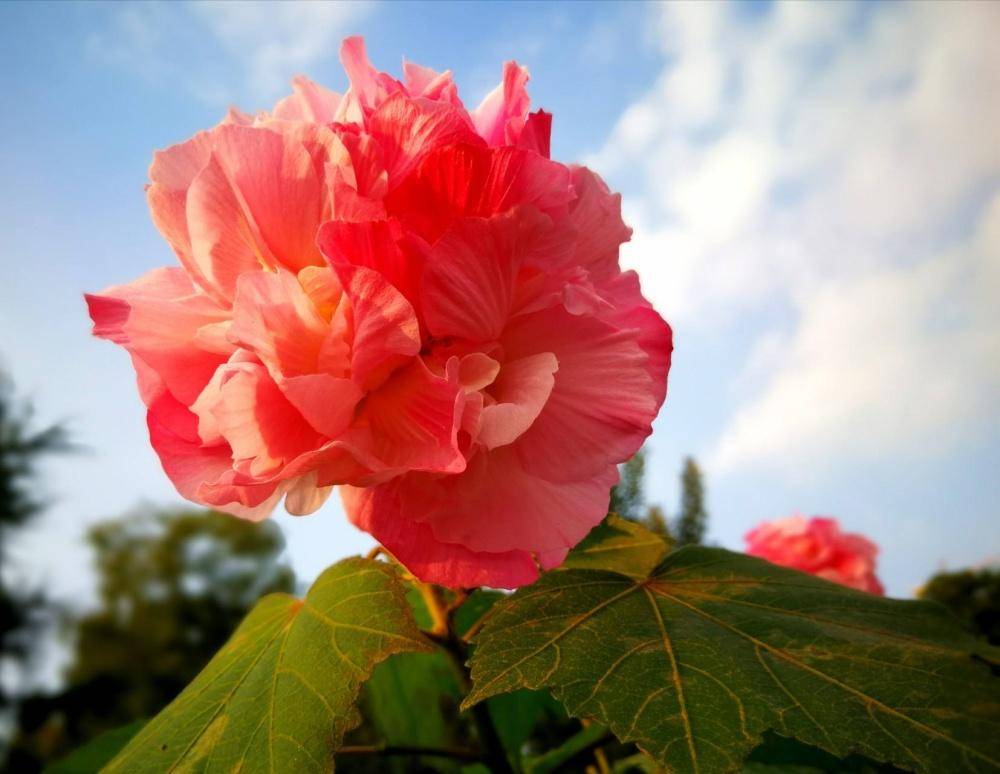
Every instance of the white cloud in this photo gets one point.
(898, 359)
(831, 160)
(222, 51)
(279, 38)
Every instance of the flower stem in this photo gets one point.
(443, 632)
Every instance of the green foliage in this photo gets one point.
(173, 587)
(280, 695)
(973, 596)
(97, 753)
(693, 519)
(619, 545)
(697, 661)
(781, 755)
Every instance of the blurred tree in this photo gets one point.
(23, 612)
(173, 587)
(627, 497)
(693, 518)
(972, 595)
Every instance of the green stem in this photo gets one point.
(494, 754)
(458, 753)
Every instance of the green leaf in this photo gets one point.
(97, 752)
(280, 694)
(412, 699)
(696, 661)
(620, 545)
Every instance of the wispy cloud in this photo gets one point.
(837, 165)
(224, 51)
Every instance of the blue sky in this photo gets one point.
(815, 191)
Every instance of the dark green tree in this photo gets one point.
(627, 497)
(693, 518)
(972, 595)
(23, 611)
(173, 586)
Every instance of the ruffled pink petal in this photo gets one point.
(305, 496)
(500, 117)
(515, 509)
(407, 128)
(386, 331)
(521, 391)
(369, 87)
(381, 512)
(537, 134)
(382, 246)
(326, 402)
(310, 102)
(631, 311)
(411, 423)
(427, 83)
(603, 403)
(223, 243)
(157, 318)
(469, 181)
(278, 184)
(366, 172)
(597, 215)
(468, 285)
(276, 319)
(262, 427)
(171, 173)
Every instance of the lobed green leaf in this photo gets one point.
(620, 545)
(280, 694)
(697, 660)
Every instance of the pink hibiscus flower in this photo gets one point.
(818, 547)
(387, 292)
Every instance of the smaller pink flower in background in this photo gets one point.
(819, 547)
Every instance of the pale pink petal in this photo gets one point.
(520, 391)
(263, 429)
(500, 117)
(305, 497)
(275, 318)
(424, 82)
(369, 87)
(309, 102)
(603, 403)
(477, 370)
(171, 173)
(381, 512)
(223, 243)
(157, 318)
(280, 188)
(326, 402)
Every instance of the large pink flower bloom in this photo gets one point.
(387, 292)
(818, 547)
